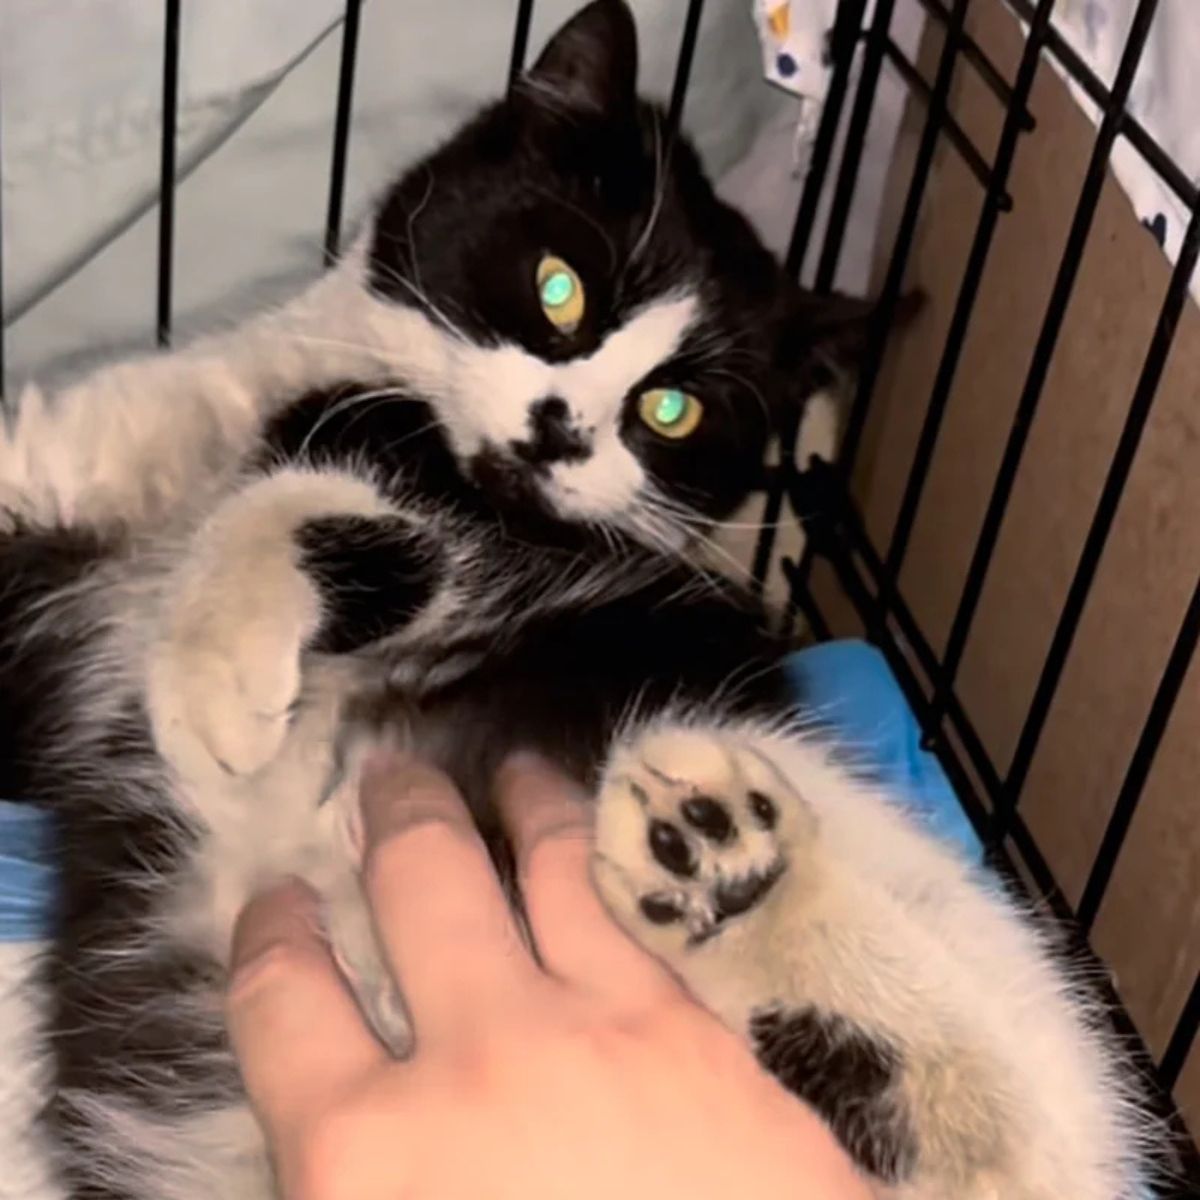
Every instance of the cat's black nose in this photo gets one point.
(553, 437)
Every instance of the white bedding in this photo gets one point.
(80, 106)
(1165, 99)
(81, 95)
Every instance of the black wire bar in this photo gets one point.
(683, 64)
(520, 41)
(166, 179)
(341, 130)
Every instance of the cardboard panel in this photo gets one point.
(1149, 928)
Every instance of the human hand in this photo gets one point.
(589, 1073)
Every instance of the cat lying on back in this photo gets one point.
(453, 489)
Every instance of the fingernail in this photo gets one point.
(383, 762)
(528, 762)
(356, 834)
(282, 905)
(396, 792)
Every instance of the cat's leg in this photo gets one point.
(713, 851)
(297, 560)
(135, 440)
(711, 857)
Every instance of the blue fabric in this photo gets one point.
(848, 682)
(26, 880)
(851, 686)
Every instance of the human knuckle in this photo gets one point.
(556, 852)
(432, 835)
(277, 966)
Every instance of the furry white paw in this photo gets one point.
(695, 827)
(224, 671)
(223, 683)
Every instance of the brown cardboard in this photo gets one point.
(1149, 927)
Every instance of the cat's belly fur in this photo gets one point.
(294, 817)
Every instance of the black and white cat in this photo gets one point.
(452, 490)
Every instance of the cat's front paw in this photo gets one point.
(695, 829)
(240, 608)
(225, 676)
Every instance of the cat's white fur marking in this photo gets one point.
(139, 439)
(26, 1174)
(605, 485)
(491, 389)
(136, 440)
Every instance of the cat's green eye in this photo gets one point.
(560, 291)
(670, 412)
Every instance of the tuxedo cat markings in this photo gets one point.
(451, 491)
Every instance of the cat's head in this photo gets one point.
(610, 344)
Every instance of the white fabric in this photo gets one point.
(794, 40)
(81, 97)
(1165, 96)
(1165, 99)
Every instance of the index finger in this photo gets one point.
(549, 819)
(441, 915)
(299, 1037)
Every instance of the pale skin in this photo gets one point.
(583, 1071)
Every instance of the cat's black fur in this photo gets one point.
(513, 182)
(565, 682)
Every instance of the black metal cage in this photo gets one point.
(818, 493)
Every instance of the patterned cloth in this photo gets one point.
(1165, 97)
(795, 45)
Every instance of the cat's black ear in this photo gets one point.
(826, 337)
(589, 65)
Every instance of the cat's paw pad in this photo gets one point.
(694, 830)
(222, 687)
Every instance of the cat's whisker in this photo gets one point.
(398, 277)
(741, 381)
(416, 433)
(660, 526)
(449, 326)
(583, 215)
(411, 224)
(405, 370)
(704, 524)
(643, 241)
(341, 406)
(300, 337)
(694, 531)
(403, 366)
